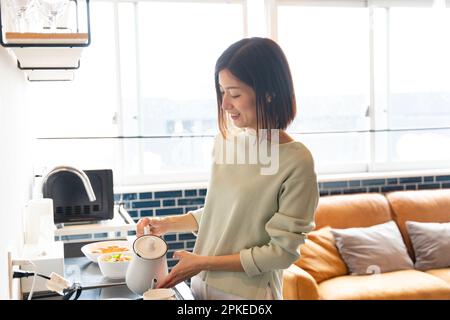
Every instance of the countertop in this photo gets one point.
(97, 287)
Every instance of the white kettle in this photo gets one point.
(148, 265)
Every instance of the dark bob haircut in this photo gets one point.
(261, 64)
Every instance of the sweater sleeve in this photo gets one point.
(298, 200)
(197, 214)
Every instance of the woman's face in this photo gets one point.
(238, 100)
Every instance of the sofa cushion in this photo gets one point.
(431, 244)
(320, 257)
(443, 274)
(355, 210)
(405, 285)
(421, 206)
(375, 249)
(299, 285)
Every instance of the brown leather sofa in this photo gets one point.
(321, 273)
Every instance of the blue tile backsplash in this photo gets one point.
(162, 203)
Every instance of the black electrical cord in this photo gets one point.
(26, 274)
(68, 293)
(74, 289)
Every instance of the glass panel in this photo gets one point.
(333, 150)
(163, 159)
(83, 107)
(133, 160)
(179, 44)
(84, 154)
(328, 51)
(415, 146)
(420, 68)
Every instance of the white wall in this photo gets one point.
(15, 160)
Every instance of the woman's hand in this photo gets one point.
(157, 226)
(188, 266)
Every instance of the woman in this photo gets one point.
(252, 223)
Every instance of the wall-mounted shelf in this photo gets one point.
(46, 38)
(48, 56)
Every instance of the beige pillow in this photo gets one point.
(320, 257)
(376, 249)
(431, 243)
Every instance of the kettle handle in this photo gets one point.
(153, 283)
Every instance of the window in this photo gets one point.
(143, 101)
(84, 107)
(328, 51)
(69, 118)
(419, 68)
(418, 91)
(376, 76)
(372, 85)
(178, 44)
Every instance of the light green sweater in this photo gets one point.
(264, 218)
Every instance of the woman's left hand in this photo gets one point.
(188, 266)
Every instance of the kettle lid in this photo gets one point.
(150, 247)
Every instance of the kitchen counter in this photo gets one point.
(97, 287)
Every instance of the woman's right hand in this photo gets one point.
(156, 226)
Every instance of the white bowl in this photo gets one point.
(113, 270)
(87, 249)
